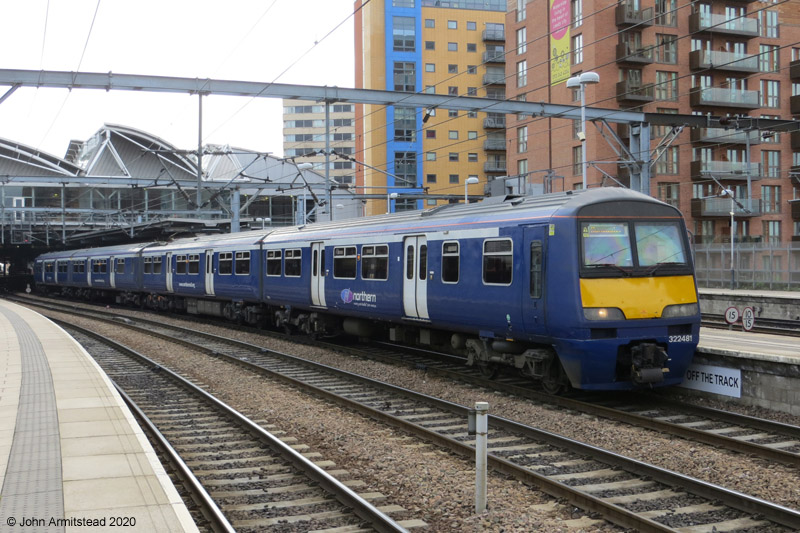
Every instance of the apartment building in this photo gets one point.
(420, 158)
(731, 58)
(304, 132)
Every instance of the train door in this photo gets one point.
(210, 272)
(112, 272)
(168, 269)
(415, 279)
(534, 251)
(318, 273)
(89, 267)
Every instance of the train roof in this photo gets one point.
(122, 249)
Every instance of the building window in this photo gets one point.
(770, 90)
(771, 198)
(472, 47)
(522, 40)
(768, 58)
(666, 48)
(472, 69)
(472, 157)
(405, 76)
(453, 178)
(452, 113)
(452, 47)
(430, 67)
(666, 85)
(577, 13)
(772, 232)
(472, 25)
(404, 34)
(430, 156)
(472, 91)
(522, 139)
(768, 23)
(472, 135)
(521, 10)
(403, 3)
(452, 25)
(430, 23)
(577, 160)
(405, 169)
(452, 135)
(522, 168)
(453, 157)
(666, 12)
(430, 178)
(405, 124)
(522, 73)
(669, 194)
(771, 163)
(452, 69)
(430, 134)
(668, 162)
(430, 45)
(577, 49)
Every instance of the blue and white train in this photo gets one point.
(593, 290)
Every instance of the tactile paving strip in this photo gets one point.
(32, 487)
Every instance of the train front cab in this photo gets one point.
(639, 319)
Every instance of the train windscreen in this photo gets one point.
(635, 248)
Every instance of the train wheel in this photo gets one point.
(489, 370)
(555, 380)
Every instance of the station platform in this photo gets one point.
(72, 457)
(779, 305)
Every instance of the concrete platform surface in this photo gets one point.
(72, 457)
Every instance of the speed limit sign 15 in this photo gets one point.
(748, 318)
(731, 315)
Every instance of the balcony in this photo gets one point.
(494, 167)
(725, 97)
(725, 170)
(721, 135)
(494, 35)
(721, 207)
(495, 56)
(794, 105)
(634, 93)
(494, 123)
(494, 79)
(794, 70)
(494, 145)
(639, 56)
(627, 15)
(795, 205)
(741, 27)
(704, 59)
(795, 136)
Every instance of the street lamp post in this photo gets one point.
(468, 182)
(729, 192)
(580, 81)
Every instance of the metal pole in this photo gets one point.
(481, 449)
(583, 129)
(733, 270)
(199, 153)
(466, 199)
(63, 215)
(328, 159)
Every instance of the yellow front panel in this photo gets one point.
(638, 297)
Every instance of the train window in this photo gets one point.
(157, 265)
(225, 267)
(48, 267)
(658, 243)
(450, 262)
(375, 262)
(243, 263)
(423, 261)
(497, 262)
(180, 264)
(119, 267)
(62, 267)
(78, 267)
(99, 266)
(536, 269)
(410, 261)
(273, 262)
(314, 264)
(344, 262)
(148, 265)
(194, 263)
(293, 263)
(606, 244)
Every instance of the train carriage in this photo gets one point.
(592, 289)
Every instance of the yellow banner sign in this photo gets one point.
(560, 19)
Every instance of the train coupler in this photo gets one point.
(648, 363)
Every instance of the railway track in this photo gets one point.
(246, 478)
(626, 492)
(772, 326)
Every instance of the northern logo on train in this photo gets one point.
(362, 297)
(347, 296)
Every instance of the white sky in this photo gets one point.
(252, 40)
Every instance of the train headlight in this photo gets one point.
(679, 310)
(603, 313)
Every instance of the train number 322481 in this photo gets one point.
(681, 338)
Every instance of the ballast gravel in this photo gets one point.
(433, 485)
